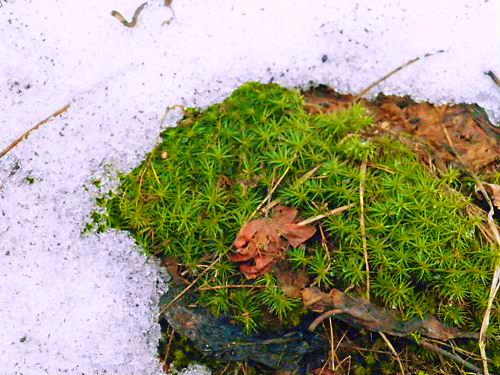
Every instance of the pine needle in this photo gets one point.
(25, 135)
(391, 73)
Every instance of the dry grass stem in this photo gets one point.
(394, 352)
(306, 176)
(235, 286)
(325, 315)
(324, 243)
(167, 350)
(333, 354)
(189, 287)
(270, 194)
(27, 133)
(362, 226)
(391, 73)
(335, 211)
(426, 344)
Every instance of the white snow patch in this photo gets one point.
(87, 305)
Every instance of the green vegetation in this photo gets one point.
(197, 188)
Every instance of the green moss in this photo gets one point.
(197, 188)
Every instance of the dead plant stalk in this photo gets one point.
(28, 132)
(362, 226)
(394, 352)
(189, 287)
(270, 194)
(335, 211)
(391, 73)
(236, 286)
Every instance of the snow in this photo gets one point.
(87, 304)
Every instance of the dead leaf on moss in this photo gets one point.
(362, 313)
(262, 242)
(291, 281)
(173, 267)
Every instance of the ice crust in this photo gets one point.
(87, 305)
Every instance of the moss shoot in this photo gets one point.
(201, 184)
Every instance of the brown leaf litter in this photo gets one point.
(262, 242)
(362, 313)
(471, 133)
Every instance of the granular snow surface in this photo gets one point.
(73, 304)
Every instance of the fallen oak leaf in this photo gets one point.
(263, 264)
(264, 241)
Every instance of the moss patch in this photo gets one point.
(197, 188)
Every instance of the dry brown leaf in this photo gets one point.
(470, 131)
(359, 312)
(262, 242)
(291, 281)
(173, 267)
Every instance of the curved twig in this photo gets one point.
(455, 357)
(122, 19)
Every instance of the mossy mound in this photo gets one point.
(202, 183)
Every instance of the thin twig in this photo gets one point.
(495, 282)
(362, 227)
(141, 179)
(27, 133)
(193, 283)
(341, 339)
(394, 352)
(451, 356)
(322, 317)
(333, 354)
(335, 211)
(270, 194)
(235, 286)
(243, 367)
(454, 348)
(167, 350)
(225, 368)
(306, 176)
(324, 243)
(391, 73)
(323, 368)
